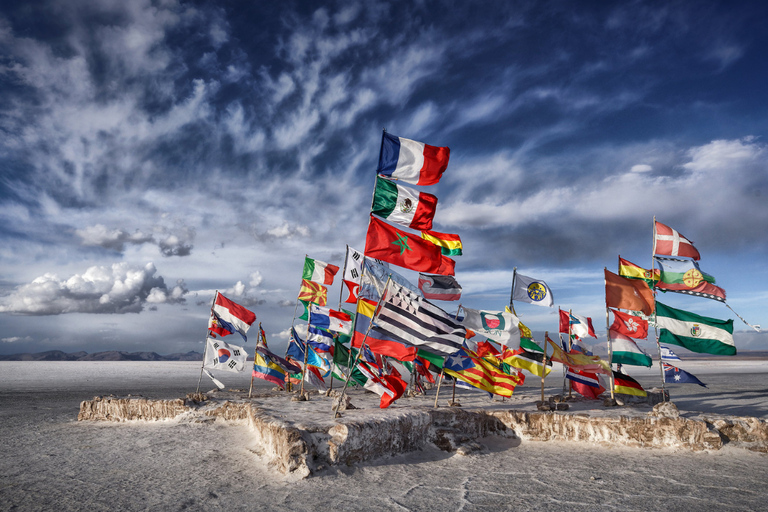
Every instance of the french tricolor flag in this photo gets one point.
(411, 161)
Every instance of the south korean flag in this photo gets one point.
(223, 356)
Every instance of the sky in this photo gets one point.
(155, 152)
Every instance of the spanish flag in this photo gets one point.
(450, 245)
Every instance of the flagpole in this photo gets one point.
(306, 354)
(362, 343)
(205, 350)
(544, 373)
(655, 326)
(512, 292)
(570, 347)
(442, 370)
(610, 342)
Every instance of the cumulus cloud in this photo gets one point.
(170, 244)
(121, 288)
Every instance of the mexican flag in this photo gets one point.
(319, 271)
(695, 332)
(403, 205)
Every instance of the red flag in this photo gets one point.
(669, 242)
(624, 293)
(353, 289)
(629, 325)
(387, 243)
(313, 292)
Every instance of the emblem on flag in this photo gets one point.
(696, 330)
(406, 206)
(537, 292)
(491, 321)
(692, 278)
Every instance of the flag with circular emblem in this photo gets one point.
(313, 292)
(403, 205)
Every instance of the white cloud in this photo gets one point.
(120, 288)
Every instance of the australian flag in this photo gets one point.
(673, 374)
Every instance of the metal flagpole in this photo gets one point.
(205, 350)
(512, 292)
(544, 361)
(655, 326)
(442, 370)
(610, 343)
(362, 346)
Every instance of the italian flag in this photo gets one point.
(319, 271)
(403, 205)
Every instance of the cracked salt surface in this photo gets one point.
(52, 462)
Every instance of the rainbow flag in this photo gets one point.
(450, 245)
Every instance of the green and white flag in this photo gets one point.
(626, 351)
(499, 326)
(403, 205)
(695, 332)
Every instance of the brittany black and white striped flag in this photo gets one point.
(410, 319)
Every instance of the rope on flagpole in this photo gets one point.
(755, 327)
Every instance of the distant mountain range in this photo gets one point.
(110, 355)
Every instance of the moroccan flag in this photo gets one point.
(684, 276)
(668, 242)
(403, 205)
(312, 292)
(411, 161)
(450, 245)
(632, 271)
(695, 332)
(629, 325)
(387, 243)
(626, 385)
(624, 293)
(626, 351)
(672, 374)
(318, 271)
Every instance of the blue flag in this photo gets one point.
(673, 374)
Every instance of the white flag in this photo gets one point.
(223, 356)
(353, 267)
(535, 291)
(499, 326)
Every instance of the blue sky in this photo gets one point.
(153, 152)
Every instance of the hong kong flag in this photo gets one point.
(387, 243)
(629, 325)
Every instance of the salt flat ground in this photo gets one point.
(52, 462)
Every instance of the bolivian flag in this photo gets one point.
(450, 245)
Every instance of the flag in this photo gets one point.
(632, 271)
(375, 276)
(411, 161)
(439, 287)
(626, 385)
(450, 245)
(215, 326)
(535, 291)
(353, 289)
(388, 387)
(296, 352)
(585, 383)
(399, 248)
(319, 339)
(353, 265)
(223, 356)
(579, 325)
(407, 317)
(695, 332)
(629, 325)
(626, 351)
(284, 364)
(330, 319)
(667, 354)
(318, 271)
(380, 342)
(313, 292)
(578, 361)
(676, 375)
(264, 368)
(668, 242)
(685, 276)
(527, 360)
(480, 373)
(231, 316)
(624, 293)
(499, 326)
(403, 205)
